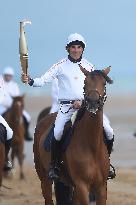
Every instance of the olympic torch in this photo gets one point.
(23, 49)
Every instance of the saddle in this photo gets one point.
(67, 133)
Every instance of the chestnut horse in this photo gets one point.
(14, 117)
(43, 113)
(2, 151)
(63, 192)
(86, 158)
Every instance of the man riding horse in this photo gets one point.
(5, 131)
(70, 83)
(11, 89)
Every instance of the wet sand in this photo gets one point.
(122, 191)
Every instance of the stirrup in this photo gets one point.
(112, 173)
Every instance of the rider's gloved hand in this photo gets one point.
(77, 104)
(25, 78)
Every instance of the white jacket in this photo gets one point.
(70, 78)
(2, 93)
(12, 88)
(7, 91)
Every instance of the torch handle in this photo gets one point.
(23, 50)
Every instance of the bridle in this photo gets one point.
(94, 106)
(99, 104)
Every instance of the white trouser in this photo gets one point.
(107, 128)
(5, 104)
(9, 130)
(64, 117)
(54, 107)
(3, 109)
(27, 116)
(61, 120)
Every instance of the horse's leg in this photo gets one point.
(2, 161)
(0, 178)
(20, 159)
(46, 186)
(20, 156)
(101, 194)
(63, 194)
(81, 194)
(1, 170)
(12, 156)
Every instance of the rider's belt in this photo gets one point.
(67, 101)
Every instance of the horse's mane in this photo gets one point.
(100, 72)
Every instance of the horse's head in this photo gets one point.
(18, 100)
(18, 106)
(95, 88)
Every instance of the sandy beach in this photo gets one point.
(122, 191)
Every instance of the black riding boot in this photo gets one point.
(55, 160)
(27, 133)
(8, 164)
(109, 148)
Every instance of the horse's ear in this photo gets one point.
(84, 70)
(106, 70)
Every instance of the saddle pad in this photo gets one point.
(66, 138)
(64, 142)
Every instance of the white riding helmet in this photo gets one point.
(75, 38)
(8, 71)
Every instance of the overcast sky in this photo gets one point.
(108, 26)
